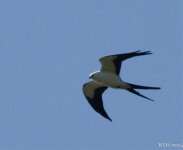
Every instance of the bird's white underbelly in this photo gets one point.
(110, 80)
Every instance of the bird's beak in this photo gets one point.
(90, 77)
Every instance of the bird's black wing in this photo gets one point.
(93, 93)
(112, 63)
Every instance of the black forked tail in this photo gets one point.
(137, 93)
(143, 87)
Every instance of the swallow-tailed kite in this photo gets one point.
(108, 76)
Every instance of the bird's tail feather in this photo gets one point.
(143, 87)
(137, 93)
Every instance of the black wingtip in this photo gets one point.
(107, 117)
(110, 119)
(145, 53)
(150, 99)
(139, 52)
(148, 52)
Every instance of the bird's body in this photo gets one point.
(107, 77)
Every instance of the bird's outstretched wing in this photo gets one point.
(112, 63)
(93, 93)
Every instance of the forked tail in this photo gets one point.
(133, 86)
(143, 87)
(137, 93)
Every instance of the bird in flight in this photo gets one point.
(108, 76)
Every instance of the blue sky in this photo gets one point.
(48, 49)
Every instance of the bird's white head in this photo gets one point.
(92, 75)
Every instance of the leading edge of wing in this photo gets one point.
(93, 93)
(127, 55)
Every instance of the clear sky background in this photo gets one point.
(48, 49)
